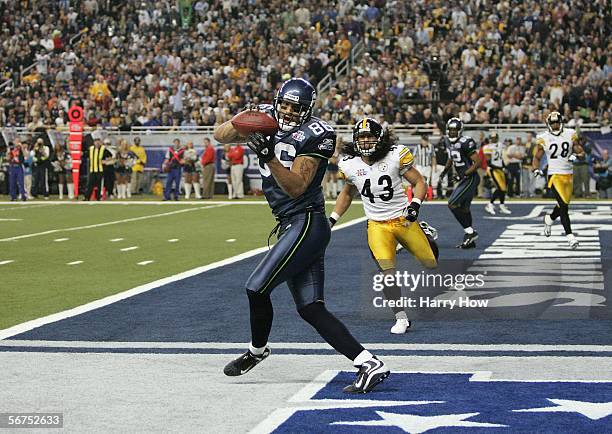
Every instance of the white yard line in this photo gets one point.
(6, 262)
(127, 249)
(30, 205)
(116, 222)
(74, 263)
(173, 240)
(114, 240)
(145, 262)
(11, 220)
(531, 348)
(29, 325)
(59, 240)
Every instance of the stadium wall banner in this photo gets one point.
(75, 142)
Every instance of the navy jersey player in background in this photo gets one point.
(463, 155)
(292, 165)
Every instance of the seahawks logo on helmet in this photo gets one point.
(293, 103)
(554, 118)
(454, 129)
(367, 127)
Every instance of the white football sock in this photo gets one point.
(196, 187)
(61, 191)
(187, 190)
(401, 315)
(230, 191)
(363, 357)
(256, 351)
(469, 230)
(70, 191)
(128, 191)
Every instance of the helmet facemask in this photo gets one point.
(291, 114)
(366, 143)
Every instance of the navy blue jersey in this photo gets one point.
(316, 139)
(460, 152)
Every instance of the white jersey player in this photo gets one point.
(562, 148)
(374, 166)
(494, 153)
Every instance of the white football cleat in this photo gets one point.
(547, 225)
(572, 241)
(490, 208)
(504, 209)
(401, 326)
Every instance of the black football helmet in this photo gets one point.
(293, 103)
(554, 118)
(454, 129)
(367, 127)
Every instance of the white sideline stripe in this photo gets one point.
(114, 240)
(145, 262)
(116, 222)
(6, 262)
(74, 263)
(127, 249)
(532, 348)
(32, 324)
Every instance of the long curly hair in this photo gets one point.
(387, 141)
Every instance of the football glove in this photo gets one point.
(411, 212)
(572, 158)
(262, 145)
(537, 172)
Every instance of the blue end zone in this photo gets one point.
(453, 403)
(212, 307)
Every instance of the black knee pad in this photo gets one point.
(312, 311)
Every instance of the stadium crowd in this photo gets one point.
(136, 63)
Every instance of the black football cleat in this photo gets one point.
(468, 241)
(370, 374)
(244, 363)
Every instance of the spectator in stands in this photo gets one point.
(602, 169)
(139, 165)
(515, 155)
(40, 160)
(236, 161)
(208, 170)
(173, 164)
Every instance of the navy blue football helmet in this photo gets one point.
(454, 129)
(293, 103)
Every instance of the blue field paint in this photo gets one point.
(212, 307)
(460, 405)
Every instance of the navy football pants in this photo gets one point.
(297, 258)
